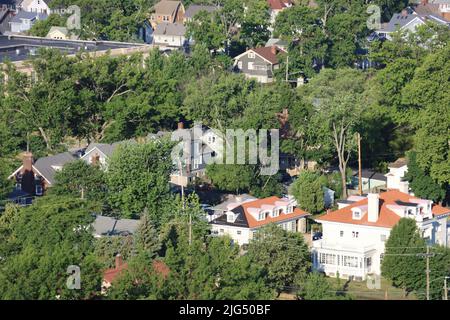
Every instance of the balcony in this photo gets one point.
(322, 244)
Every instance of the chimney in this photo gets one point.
(273, 49)
(424, 2)
(373, 200)
(27, 161)
(180, 125)
(95, 159)
(404, 13)
(119, 260)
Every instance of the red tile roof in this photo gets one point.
(387, 218)
(253, 223)
(278, 4)
(111, 275)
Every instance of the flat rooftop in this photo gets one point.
(19, 48)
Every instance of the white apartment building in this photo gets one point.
(243, 219)
(354, 235)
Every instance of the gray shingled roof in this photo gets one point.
(195, 8)
(231, 198)
(166, 7)
(108, 226)
(28, 15)
(105, 148)
(171, 29)
(47, 166)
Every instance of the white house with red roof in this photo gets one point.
(259, 63)
(243, 219)
(354, 235)
(276, 6)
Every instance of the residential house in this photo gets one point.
(167, 11)
(276, 6)
(395, 176)
(109, 226)
(259, 63)
(221, 208)
(371, 180)
(202, 145)
(24, 20)
(194, 9)
(354, 236)
(38, 6)
(243, 219)
(415, 15)
(33, 178)
(98, 153)
(60, 33)
(9, 4)
(169, 35)
(282, 44)
(111, 275)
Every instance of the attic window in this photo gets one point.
(251, 55)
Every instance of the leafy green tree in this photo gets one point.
(106, 248)
(421, 183)
(337, 96)
(316, 287)
(205, 29)
(42, 27)
(254, 28)
(138, 176)
(146, 237)
(80, 179)
(42, 241)
(307, 190)
(284, 255)
(402, 262)
(230, 177)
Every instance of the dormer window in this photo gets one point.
(261, 216)
(231, 217)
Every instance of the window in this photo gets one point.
(261, 216)
(355, 234)
(381, 257)
(250, 66)
(341, 233)
(39, 190)
(327, 258)
(239, 232)
(251, 55)
(239, 64)
(18, 186)
(383, 237)
(221, 230)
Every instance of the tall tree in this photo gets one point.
(138, 176)
(307, 190)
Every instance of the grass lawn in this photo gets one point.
(358, 290)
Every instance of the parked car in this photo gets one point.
(317, 236)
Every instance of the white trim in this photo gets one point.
(33, 167)
(90, 151)
(15, 172)
(246, 52)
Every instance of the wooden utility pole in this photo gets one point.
(428, 272)
(180, 168)
(445, 288)
(359, 165)
(287, 68)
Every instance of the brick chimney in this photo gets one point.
(27, 161)
(119, 260)
(273, 49)
(373, 201)
(404, 13)
(424, 2)
(95, 159)
(180, 125)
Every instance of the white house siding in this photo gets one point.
(36, 6)
(246, 234)
(168, 40)
(369, 243)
